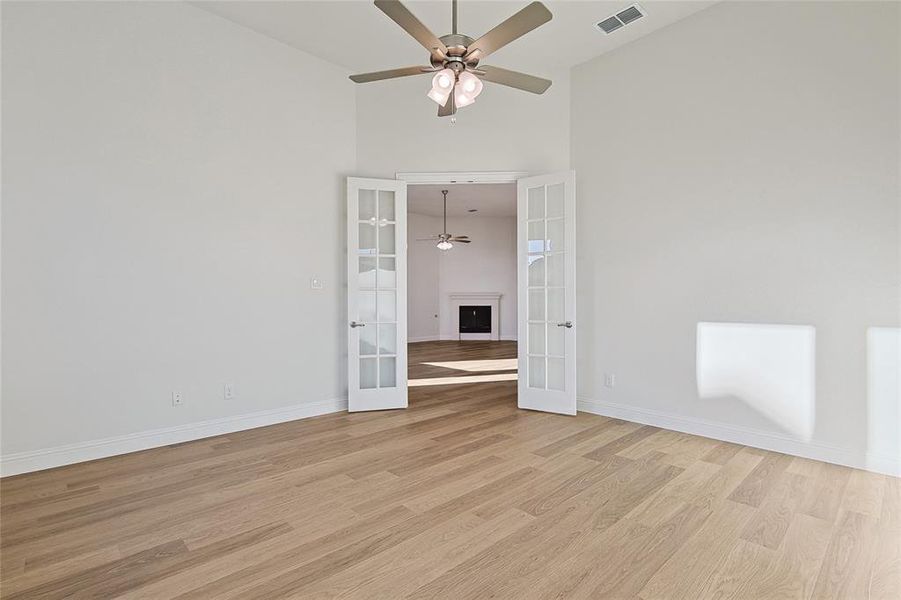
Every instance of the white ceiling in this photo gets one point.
(490, 200)
(358, 36)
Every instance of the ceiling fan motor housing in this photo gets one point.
(456, 44)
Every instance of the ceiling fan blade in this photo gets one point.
(449, 108)
(461, 241)
(428, 239)
(460, 237)
(403, 17)
(515, 79)
(390, 74)
(532, 16)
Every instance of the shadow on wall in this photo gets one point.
(771, 368)
(883, 396)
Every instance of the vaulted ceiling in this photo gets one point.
(356, 35)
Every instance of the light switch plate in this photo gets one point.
(316, 283)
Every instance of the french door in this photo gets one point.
(546, 282)
(376, 294)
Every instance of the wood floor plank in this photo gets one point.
(625, 574)
(885, 574)
(460, 496)
(722, 453)
(769, 525)
(327, 565)
(793, 572)
(844, 572)
(824, 496)
(622, 443)
(543, 502)
(761, 480)
(864, 493)
(696, 566)
(743, 567)
(575, 438)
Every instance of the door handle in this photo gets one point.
(354, 324)
(567, 324)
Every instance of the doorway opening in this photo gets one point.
(462, 291)
(542, 307)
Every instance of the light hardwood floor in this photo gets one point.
(461, 496)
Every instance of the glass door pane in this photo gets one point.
(377, 247)
(545, 241)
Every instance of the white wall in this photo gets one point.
(488, 264)
(171, 183)
(422, 278)
(505, 130)
(741, 166)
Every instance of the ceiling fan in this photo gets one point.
(445, 240)
(455, 57)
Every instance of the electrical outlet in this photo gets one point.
(610, 380)
(177, 399)
(228, 391)
(316, 284)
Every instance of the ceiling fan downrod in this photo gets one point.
(454, 17)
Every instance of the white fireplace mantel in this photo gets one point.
(492, 299)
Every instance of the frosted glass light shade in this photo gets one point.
(461, 98)
(468, 87)
(471, 85)
(444, 245)
(442, 85)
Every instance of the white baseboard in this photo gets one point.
(37, 460)
(436, 338)
(886, 464)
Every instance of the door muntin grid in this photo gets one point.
(377, 288)
(545, 340)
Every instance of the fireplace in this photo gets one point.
(460, 321)
(475, 319)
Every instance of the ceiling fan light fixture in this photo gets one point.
(444, 245)
(461, 98)
(471, 84)
(458, 53)
(442, 86)
(468, 87)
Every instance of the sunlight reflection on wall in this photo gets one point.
(883, 394)
(769, 367)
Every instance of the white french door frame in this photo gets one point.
(546, 340)
(376, 305)
(460, 177)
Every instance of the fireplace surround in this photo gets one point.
(489, 300)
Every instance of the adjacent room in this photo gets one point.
(461, 290)
(450, 299)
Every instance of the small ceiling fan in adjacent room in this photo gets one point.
(446, 240)
(455, 57)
